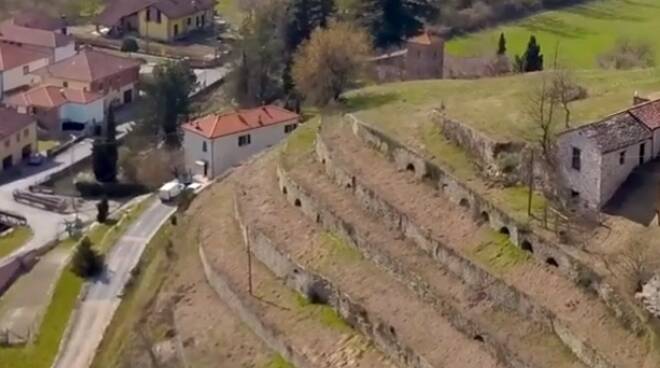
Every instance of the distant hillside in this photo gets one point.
(583, 32)
(72, 9)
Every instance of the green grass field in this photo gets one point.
(14, 240)
(583, 31)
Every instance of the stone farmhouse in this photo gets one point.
(162, 20)
(214, 143)
(422, 58)
(595, 159)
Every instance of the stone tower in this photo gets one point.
(425, 56)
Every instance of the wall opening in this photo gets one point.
(284, 191)
(410, 167)
(464, 203)
(552, 262)
(318, 218)
(485, 217)
(297, 203)
(505, 231)
(444, 187)
(323, 161)
(527, 246)
(392, 331)
(479, 338)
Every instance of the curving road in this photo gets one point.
(103, 296)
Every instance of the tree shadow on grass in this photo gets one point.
(368, 100)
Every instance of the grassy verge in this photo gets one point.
(141, 290)
(496, 251)
(277, 361)
(231, 10)
(300, 142)
(14, 240)
(43, 146)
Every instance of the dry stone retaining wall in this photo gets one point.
(520, 235)
(497, 290)
(306, 282)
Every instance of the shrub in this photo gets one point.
(103, 210)
(86, 261)
(628, 54)
(129, 45)
(110, 190)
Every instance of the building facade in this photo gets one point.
(56, 45)
(215, 143)
(18, 138)
(16, 67)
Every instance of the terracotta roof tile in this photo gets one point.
(88, 66)
(12, 122)
(51, 96)
(648, 113)
(12, 56)
(426, 38)
(10, 32)
(220, 125)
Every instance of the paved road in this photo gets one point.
(103, 296)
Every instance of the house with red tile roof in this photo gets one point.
(216, 142)
(18, 137)
(58, 109)
(113, 77)
(58, 46)
(595, 159)
(16, 66)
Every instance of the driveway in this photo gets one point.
(637, 198)
(104, 295)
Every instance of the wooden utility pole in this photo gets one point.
(249, 258)
(531, 184)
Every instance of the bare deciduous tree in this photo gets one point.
(540, 109)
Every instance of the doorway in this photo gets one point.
(642, 151)
(128, 96)
(7, 163)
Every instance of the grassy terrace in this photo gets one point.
(583, 31)
(14, 240)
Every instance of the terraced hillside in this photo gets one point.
(343, 249)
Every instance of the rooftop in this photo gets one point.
(12, 122)
(37, 19)
(10, 32)
(426, 38)
(52, 96)
(89, 65)
(12, 56)
(224, 124)
(616, 132)
(648, 113)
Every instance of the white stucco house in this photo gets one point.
(216, 142)
(16, 66)
(56, 45)
(58, 109)
(597, 158)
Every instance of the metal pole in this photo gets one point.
(531, 184)
(249, 259)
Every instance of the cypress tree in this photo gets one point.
(501, 45)
(532, 59)
(390, 22)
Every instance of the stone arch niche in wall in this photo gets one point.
(297, 202)
(485, 217)
(505, 231)
(552, 262)
(284, 191)
(410, 167)
(464, 203)
(478, 338)
(526, 245)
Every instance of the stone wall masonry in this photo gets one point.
(249, 315)
(335, 224)
(497, 290)
(306, 282)
(484, 210)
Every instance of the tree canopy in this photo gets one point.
(105, 151)
(392, 21)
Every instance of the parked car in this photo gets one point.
(35, 159)
(170, 191)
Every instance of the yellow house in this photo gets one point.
(162, 20)
(18, 137)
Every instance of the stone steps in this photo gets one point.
(471, 312)
(408, 329)
(307, 335)
(415, 209)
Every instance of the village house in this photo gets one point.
(162, 20)
(59, 110)
(18, 137)
(216, 142)
(113, 77)
(422, 58)
(56, 45)
(597, 158)
(16, 65)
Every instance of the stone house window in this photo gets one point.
(204, 146)
(622, 157)
(189, 21)
(576, 159)
(244, 140)
(159, 16)
(147, 16)
(65, 84)
(26, 132)
(26, 69)
(290, 128)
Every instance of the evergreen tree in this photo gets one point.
(103, 208)
(392, 21)
(532, 59)
(105, 151)
(501, 45)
